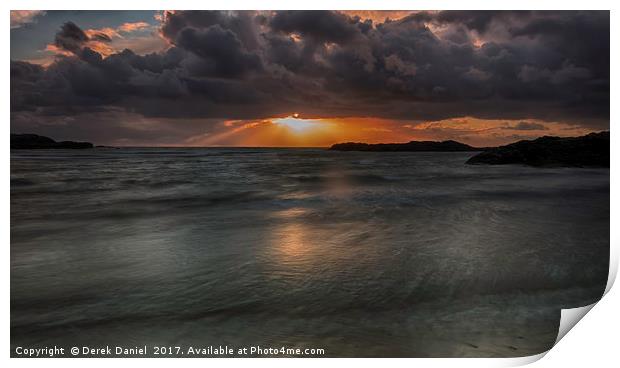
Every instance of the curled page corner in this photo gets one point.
(571, 316)
(569, 319)
(613, 270)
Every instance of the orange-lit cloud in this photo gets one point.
(379, 16)
(57, 50)
(292, 132)
(131, 27)
(491, 132)
(119, 38)
(110, 32)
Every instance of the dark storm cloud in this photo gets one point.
(248, 65)
(242, 23)
(479, 21)
(320, 25)
(70, 37)
(220, 51)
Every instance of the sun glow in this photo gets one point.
(294, 131)
(297, 125)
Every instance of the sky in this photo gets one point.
(308, 78)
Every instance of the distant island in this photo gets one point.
(413, 146)
(34, 141)
(590, 150)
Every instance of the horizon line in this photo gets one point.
(307, 147)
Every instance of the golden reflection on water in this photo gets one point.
(303, 250)
(299, 251)
(292, 242)
(292, 238)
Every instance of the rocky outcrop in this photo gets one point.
(34, 141)
(591, 150)
(413, 146)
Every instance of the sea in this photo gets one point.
(361, 254)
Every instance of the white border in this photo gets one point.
(594, 341)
